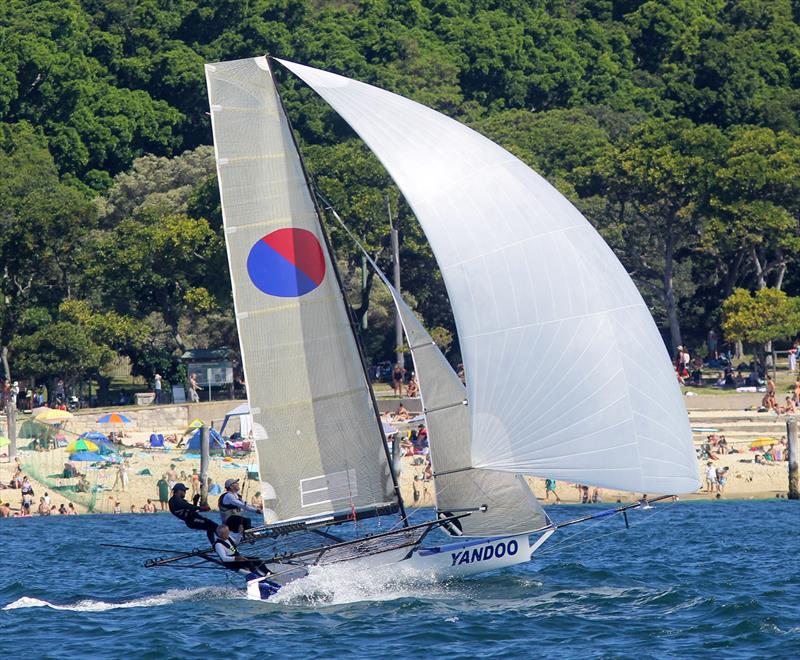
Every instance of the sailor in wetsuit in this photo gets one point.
(231, 506)
(189, 513)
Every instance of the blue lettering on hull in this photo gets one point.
(484, 553)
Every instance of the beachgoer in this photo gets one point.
(122, 477)
(157, 387)
(401, 414)
(62, 510)
(190, 514)
(793, 357)
(231, 507)
(711, 477)
(172, 476)
(71, 510)
(722, 478)
(195, 483)
(5, 510)
(397, 379)
(163, 492)
(133, 508)
(194, 397)
(597, 496)
(550, 487)
(117, 508)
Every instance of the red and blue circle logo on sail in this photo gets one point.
(287, 263)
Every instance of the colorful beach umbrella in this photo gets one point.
(53, 416)
(89, 456)
(82, 444)
(763, 442)
(114, 418)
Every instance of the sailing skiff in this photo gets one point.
(546, 317)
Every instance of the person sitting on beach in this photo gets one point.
(189, 514)
(420, 443)
(789, 407)
(83, 485)
(406, 446)
(5, 510)
(62, 510)
(71, 510)
(722, 445)
(759, 460)
(413, 387)
(231, 507)
(401, 414)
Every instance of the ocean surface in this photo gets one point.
(693, 579)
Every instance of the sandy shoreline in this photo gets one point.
(746, 480)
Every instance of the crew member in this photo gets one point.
(189, 513)
(225, 547)
(231, 507)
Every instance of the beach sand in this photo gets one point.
(746, 480)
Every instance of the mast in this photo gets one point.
(351, 318)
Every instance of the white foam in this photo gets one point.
(171, 596)
(339, 584)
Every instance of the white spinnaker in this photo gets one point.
(567, 375)
(319, 446)
(498, 502)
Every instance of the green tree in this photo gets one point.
(659, 181)
(760, 318)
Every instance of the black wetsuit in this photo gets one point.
(188, 513)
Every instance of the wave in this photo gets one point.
(167, 598)
(340, 584)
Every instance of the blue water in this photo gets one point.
(716, 579)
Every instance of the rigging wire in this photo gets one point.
(564, 542)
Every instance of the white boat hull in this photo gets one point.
(457, 559)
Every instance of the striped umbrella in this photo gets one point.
(114, 418)
(82, 444)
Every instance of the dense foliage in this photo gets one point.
(673, 125)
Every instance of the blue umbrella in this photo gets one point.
(91, 456)
(106, 446)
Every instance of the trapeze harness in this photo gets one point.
(229, 556)
(188, 513)
(231, 515)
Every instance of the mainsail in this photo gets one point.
(567, 375)
(317, 437)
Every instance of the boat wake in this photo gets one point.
(340, 584)
(167, 598)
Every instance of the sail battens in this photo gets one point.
(302, 403)
(508, 246)
(249, 110)
(278, 309)
(576, 317)
(447, 406)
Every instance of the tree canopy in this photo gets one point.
(672, 124)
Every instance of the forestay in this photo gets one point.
(567, 375)
(318, 443)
